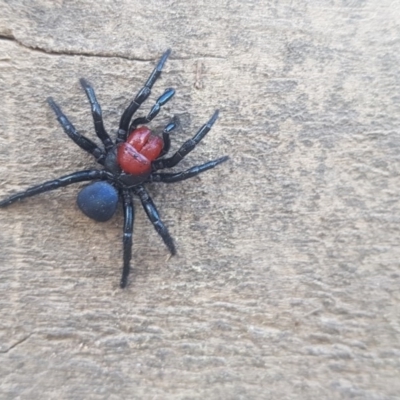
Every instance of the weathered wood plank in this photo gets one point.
(286, 282)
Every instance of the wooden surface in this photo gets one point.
(286, 282)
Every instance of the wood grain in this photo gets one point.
(286, 282)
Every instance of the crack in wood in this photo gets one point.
(12, 38)
(13, 346)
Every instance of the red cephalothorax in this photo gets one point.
(141, 148)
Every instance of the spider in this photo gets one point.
(128, 164)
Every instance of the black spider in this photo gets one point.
(128, 163)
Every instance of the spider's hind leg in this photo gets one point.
(80, 176)
(127, 238)
(154, 217)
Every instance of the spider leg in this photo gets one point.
(181, 176)
(66, 180)
(127, 238)
(83, 142)
(164, 98)
(97, 115)
(166, 138)
(187, 147)
(154, 217)
(141, 96)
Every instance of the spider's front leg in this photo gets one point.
(164, 98)
(166, 138)
(189, 173)
(187, 147)
(141, 96)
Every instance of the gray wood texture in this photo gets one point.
(286, 285)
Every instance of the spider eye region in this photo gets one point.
(141, 148)
(98, 201)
